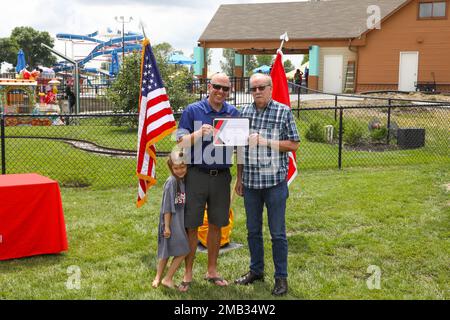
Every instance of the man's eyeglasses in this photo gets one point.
(260, 88)
(218, 87)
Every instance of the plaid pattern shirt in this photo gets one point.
(265, 167)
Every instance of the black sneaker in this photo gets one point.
(281, 287)
(249, 278)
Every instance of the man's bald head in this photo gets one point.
(261, 89)
(258, 77)
(220, 78)
(219, 89)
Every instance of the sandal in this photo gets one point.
(216, 280)
(184, 286)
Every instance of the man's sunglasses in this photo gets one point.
(260, 88)
(218, 87)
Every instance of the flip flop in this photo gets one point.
(215, 281)
(184, 286)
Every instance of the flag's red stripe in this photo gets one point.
(155, 133)
(158, 115)
(156, 100)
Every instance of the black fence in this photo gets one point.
(93, 99)
(100, 150)
(93, 95)
(240, 95)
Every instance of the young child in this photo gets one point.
(172, 237)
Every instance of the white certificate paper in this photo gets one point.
(231, 132)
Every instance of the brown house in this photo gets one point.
(353, 45)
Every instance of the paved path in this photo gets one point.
(320, 96)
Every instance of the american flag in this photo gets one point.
(156, 121)
(280, 93)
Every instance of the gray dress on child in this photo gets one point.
(173, 201)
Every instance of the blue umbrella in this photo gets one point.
(114, 67)
(262, 69)
(180, 59)
(20, 61)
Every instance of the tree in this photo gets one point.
(288, 66)
(29, 40)
(250, 64)
(208, 56)
(264, 60)
(228, 65)
(305, 58)
(124, 92)
(8, 50)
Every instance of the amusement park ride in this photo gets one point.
(34, 93)
(108, 44)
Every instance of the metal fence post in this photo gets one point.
(201, 88)
(341, 113)
(335, 106)
(388, 138)
(235, 90)
(3, 143)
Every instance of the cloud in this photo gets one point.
(177, 22)
(155, 3)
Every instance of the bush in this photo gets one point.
(124, 92)
(378, 135)
(315, 132)
(353, 133)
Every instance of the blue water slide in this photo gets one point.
(67, 36)
(64, 67)
(117, 41)
(93, 34)
(94, 54)
(99, 49)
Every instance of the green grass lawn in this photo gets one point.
(339, 223)
(97, 130)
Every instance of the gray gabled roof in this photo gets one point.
(334, 19)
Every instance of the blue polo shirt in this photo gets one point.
(204, 154)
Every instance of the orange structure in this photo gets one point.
(352, 45)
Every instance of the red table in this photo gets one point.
(31, 216)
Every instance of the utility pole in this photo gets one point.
(122, 20)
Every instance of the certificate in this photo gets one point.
(231, 131)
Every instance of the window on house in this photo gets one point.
(429, 10)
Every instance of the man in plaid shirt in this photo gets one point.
(262, 179)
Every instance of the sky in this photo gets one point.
(178, 22)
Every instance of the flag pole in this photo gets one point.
(284, 37)
(143, 30)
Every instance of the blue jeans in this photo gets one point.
(275, 200)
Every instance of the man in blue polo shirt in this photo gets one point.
(208, 178)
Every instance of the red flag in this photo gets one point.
(280, 93)
(156, 121)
